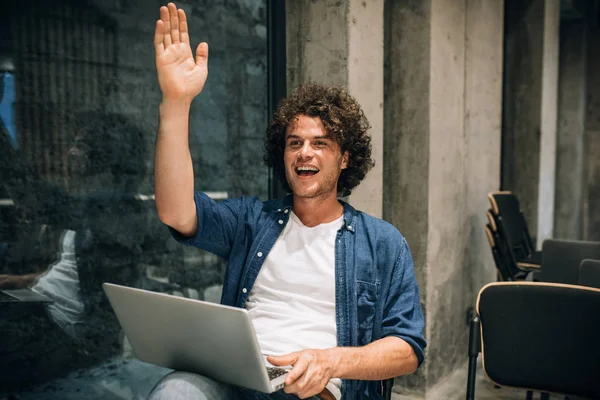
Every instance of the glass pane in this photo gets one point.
(78, 120)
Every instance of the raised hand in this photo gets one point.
(180, 76)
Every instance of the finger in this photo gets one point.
(301, 387)
(159, 46)
(285, 359)
(164, 17)
(183, 28)
(309, 385)
(202, 55)
(174, 23)
(297, 371)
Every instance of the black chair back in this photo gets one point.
(589, 273)
(561, 259)
(541, 336)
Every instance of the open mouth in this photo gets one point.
(306, 171)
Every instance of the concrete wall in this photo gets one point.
(447, 299)
(577, 210)
(451, 103)
(365, 82)
(483, 120)
(341, 43)
(442, 113)
(317, 42)
(570, 178)
(591, 211)
(522, 103)
(406, 150)
(547, 168)
(529, 109)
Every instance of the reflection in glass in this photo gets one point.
(78, 119)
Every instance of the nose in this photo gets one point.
(306, 151)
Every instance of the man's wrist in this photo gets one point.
(174, 106)
(338, 358)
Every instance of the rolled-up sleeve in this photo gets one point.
(217, 224)
(402, 314)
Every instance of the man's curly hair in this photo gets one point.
(343, 120)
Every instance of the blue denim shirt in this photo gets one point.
(375, 287)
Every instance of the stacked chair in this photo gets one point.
(508, 235)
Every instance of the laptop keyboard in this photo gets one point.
(5, 297)
(274, 372)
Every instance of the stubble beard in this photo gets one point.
(317, 189)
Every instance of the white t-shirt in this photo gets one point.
(292, 303)
(61, 284)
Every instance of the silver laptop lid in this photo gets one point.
(210, 339)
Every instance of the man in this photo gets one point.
(331, 291)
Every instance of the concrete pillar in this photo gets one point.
(442, 156)
(341, 43)
(568, 216)
(406, 127)
(317, 42)
(591, 211)
(522, 103)
(545, 219)
(483, 122)
(447, 243)
(529, 115)
(365, 82)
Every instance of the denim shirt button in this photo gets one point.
(244, 290)
(286, 211)
(280, 222)
(259, 254)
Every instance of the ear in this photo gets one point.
(345, 160)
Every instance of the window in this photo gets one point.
(79, 114)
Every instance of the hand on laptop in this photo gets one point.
(17, 281)
(312, 370)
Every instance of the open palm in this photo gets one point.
(180, 76)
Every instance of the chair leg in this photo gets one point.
(529, 395)
(471, 378)
(474, 335)
(544, 396)
(387, 388)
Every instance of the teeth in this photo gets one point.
(308, 169)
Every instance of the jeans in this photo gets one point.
(184, 385)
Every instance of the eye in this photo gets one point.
(294, 143)
(321, 143)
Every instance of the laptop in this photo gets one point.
(22, 296)
(190, 335)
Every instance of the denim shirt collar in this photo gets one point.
(286, 203)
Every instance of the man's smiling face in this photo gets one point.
(313, 160)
